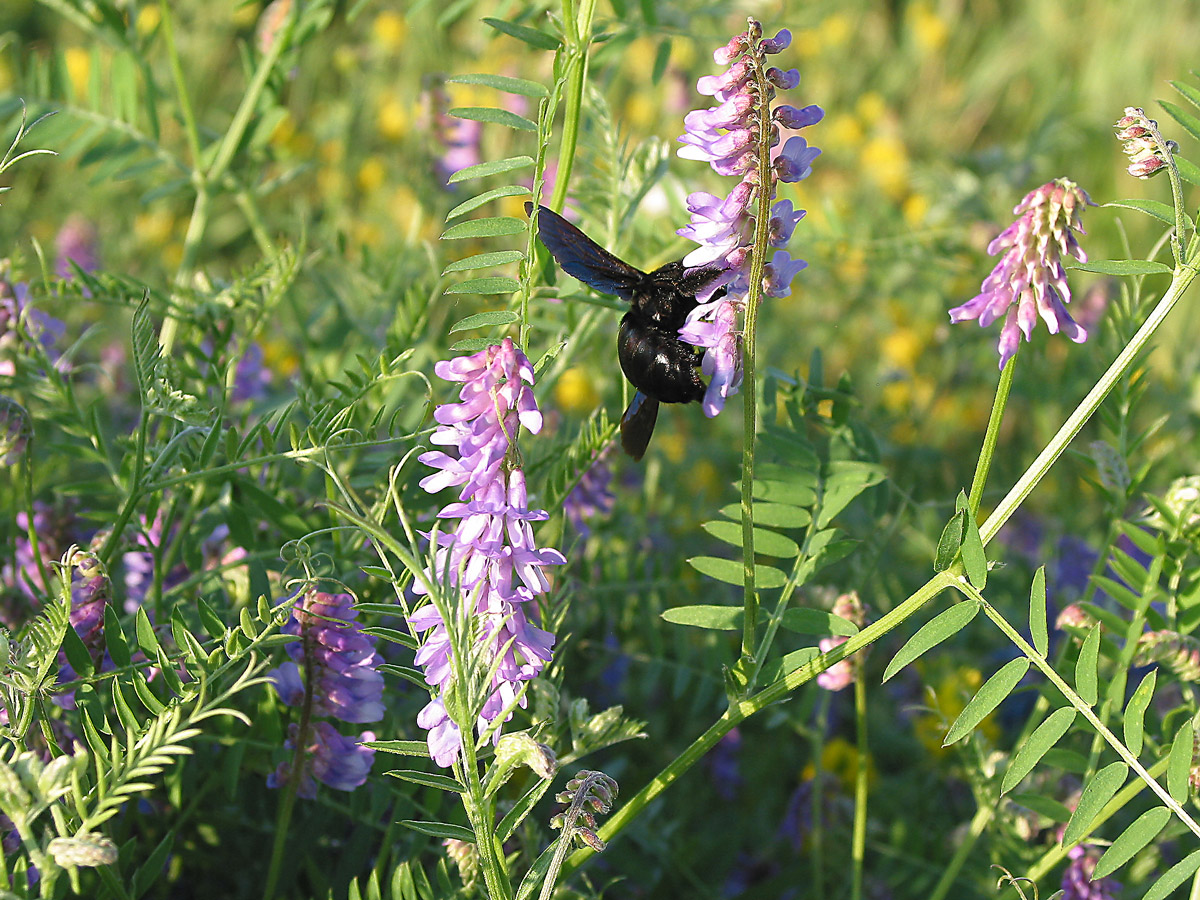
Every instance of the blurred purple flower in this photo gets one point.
(1077, 883)
(139, 565)
(338, 661)
(727, 137)
(490, 555)
(251, 378)
(592, 497)
(76, 243)
(723, 765)
(458, 139)
(20, 323)
(55, 527)
(329, 757)
(15, 429)
(842, 674)
(1029, 281)
(90, 592)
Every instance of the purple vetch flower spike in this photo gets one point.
(1030, 281)
(338, 661)
(329, 757)
(727, 136)
(490, 553)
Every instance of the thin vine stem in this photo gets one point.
(991, 437)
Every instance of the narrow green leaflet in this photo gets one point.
(973, 556)
(530, 36)
(503, 83)
(939, 628)
(1086, 680)
(846, 480)
(403, 748)
(1133, 721)
(493, 116)
(717, 618)
(440, 830)
(1123, 267)
(483, 261)
(497, 284)
(1174, 877)
(986, 699)
(768, 543)
(1164, 212)
(775, 669)
(1045, 806)
(512, 190)
(1188, 170)
(1192, 94)
(495, 167)
(486, 320)
(1189, 122)
(730, 571)
(441, 782)
(776, 515)
(1179, 763)
(1045, 736)
(1037, 612)
(1131, 840)
(950, 541)
(1096, 793)
(817, 621)
(494, 226)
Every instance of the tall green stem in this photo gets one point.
(577, 26)
(1075, 422)
(858, 844)
(992, 436)
(758, 263)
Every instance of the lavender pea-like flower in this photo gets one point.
(490, 554)
(1030, 282)
(728, 137)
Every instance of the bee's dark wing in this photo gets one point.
(583, 258)
(637, 425)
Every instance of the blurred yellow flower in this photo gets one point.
(825, 408)
(394, 118)
(915, 209)
(703, 477)
(839, 758)
(368, 234)
(153, 227)
(672, 444)
(870, 108)
(683, 55)
(147, 19)
(371, 174)
(280, 357)
(642, 110)
(951, 694)
(806, 42)
(389, 30)
(841, 130)
(929, 30)
(885, 161)
(574, 391)
(345, 59)
(79, 67)
(835, 31)
(172, 254)
(904, 396)
(902, 347)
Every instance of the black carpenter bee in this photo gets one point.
(662, 367)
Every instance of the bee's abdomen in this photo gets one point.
(657, 362)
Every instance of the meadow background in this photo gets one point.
(312, 283)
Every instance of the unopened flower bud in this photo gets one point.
(87, 849)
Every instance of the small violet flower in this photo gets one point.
(592, 497)
(490, 555)
(727, 136)
(1077, 883)
(1030, 282)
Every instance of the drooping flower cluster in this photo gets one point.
(1077, 883)
(490, 556)
(333, 672)
(730, 137)
(1029, 281)
(1140, 134)
(842, 674)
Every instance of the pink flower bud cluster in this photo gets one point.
(1141, 138)
(729, 136)
(1030, 282)
(490, 555)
